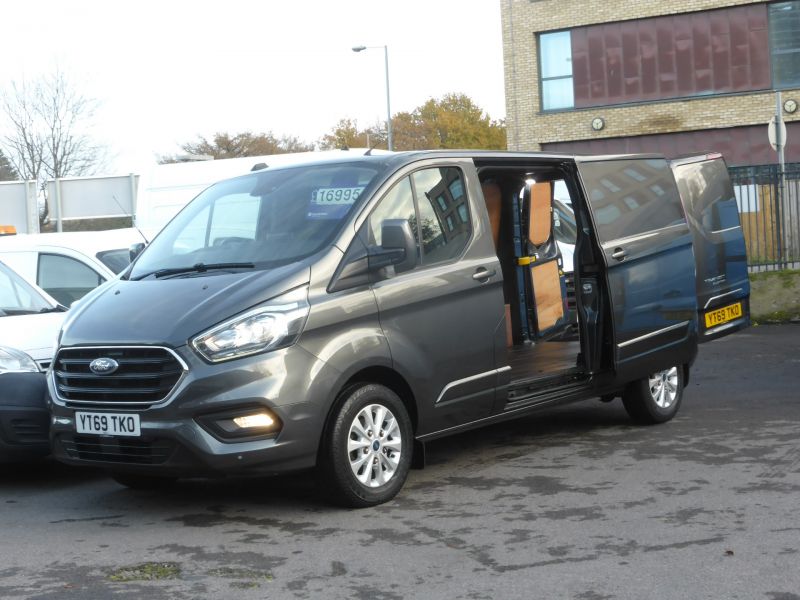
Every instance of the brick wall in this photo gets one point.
(528, 127)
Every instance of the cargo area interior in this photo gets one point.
(535, 234)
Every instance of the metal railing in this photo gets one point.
(769, 209)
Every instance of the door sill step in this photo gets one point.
(544, 390)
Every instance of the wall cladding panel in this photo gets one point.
(710, 52)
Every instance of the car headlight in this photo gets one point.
(276, 324)
(12, 360)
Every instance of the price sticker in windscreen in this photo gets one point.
(332, 202)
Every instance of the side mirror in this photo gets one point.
(135, 250)
(397, 248)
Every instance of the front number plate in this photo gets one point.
(107, 424)
(723, 315)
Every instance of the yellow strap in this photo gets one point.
(524, 261)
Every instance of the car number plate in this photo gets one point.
(723, 315)
(93, 423)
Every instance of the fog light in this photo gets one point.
(255, 420)
(245, 422)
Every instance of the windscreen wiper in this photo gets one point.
(52, 309)
(197, 268)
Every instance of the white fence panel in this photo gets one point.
(92, 197)
(18, 206)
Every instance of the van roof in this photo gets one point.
(397, 159)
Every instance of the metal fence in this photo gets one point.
(769, 208)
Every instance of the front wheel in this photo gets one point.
(656, 398)
(366, 452)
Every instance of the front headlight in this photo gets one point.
(12, 360)
(276, 324)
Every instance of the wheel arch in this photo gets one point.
(387, 377)
(381, 375)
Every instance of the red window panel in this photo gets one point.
(710, 52)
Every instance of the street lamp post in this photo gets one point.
(388, 104)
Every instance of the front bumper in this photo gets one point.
(23, 417)
(176, 441)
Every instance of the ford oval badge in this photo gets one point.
(103, 366)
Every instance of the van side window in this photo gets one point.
(66, 279)
(630, 197)
(710, 198)
(444, 220)
(398, 203)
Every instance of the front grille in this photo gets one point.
(146, 375)
(30, 431)
(118, 450)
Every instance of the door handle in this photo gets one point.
(483, 275)
(619, 254)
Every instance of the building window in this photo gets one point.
(555, 66)
(784, 24)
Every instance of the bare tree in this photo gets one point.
(247, 143)
(47, 134)
(24, 143)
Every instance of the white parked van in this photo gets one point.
(69, 265)
(166, 189)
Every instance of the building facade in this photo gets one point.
(677, 77)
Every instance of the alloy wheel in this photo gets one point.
(374, 445)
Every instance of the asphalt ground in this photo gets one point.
(575, 502)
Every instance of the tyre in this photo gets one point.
(366, 451)
(137, 481)
(656, 398)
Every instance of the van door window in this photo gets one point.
(631, 197)
(706, 188)
(398, 203)
(444, 220)
(66, 279)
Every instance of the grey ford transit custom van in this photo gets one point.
(339, 315)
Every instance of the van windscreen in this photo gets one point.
(266, 219)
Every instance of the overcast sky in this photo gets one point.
(167, 71)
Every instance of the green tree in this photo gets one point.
(7, 170)
(455, 121)
(346, 134)
(452, 121)
(226, 145)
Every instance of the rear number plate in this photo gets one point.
(107, 424)
(723, 315)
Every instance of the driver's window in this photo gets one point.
(398, 203)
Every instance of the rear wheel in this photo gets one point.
(656, 398)
(366, 451)
(138, 481)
